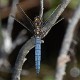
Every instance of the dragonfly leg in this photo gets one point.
(42, 41)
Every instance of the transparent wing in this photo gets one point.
(54, 23)
(20, 22)
(24, 19)
(25, 15)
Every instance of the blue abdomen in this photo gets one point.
(37, 53)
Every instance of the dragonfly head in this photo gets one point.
(37, 21)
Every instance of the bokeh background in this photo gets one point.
(50, 48)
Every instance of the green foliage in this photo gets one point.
(74, 3)
(1, 38)
(48, 77)
(54, 4)
(4, 2)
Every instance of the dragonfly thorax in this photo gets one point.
(37, 23)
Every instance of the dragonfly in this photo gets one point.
(35, 29)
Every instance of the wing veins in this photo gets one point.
(20, 22)
(22, 11)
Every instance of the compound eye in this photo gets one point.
(37, 20)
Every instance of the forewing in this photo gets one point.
(24, 19)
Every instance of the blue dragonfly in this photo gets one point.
(35, 29)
